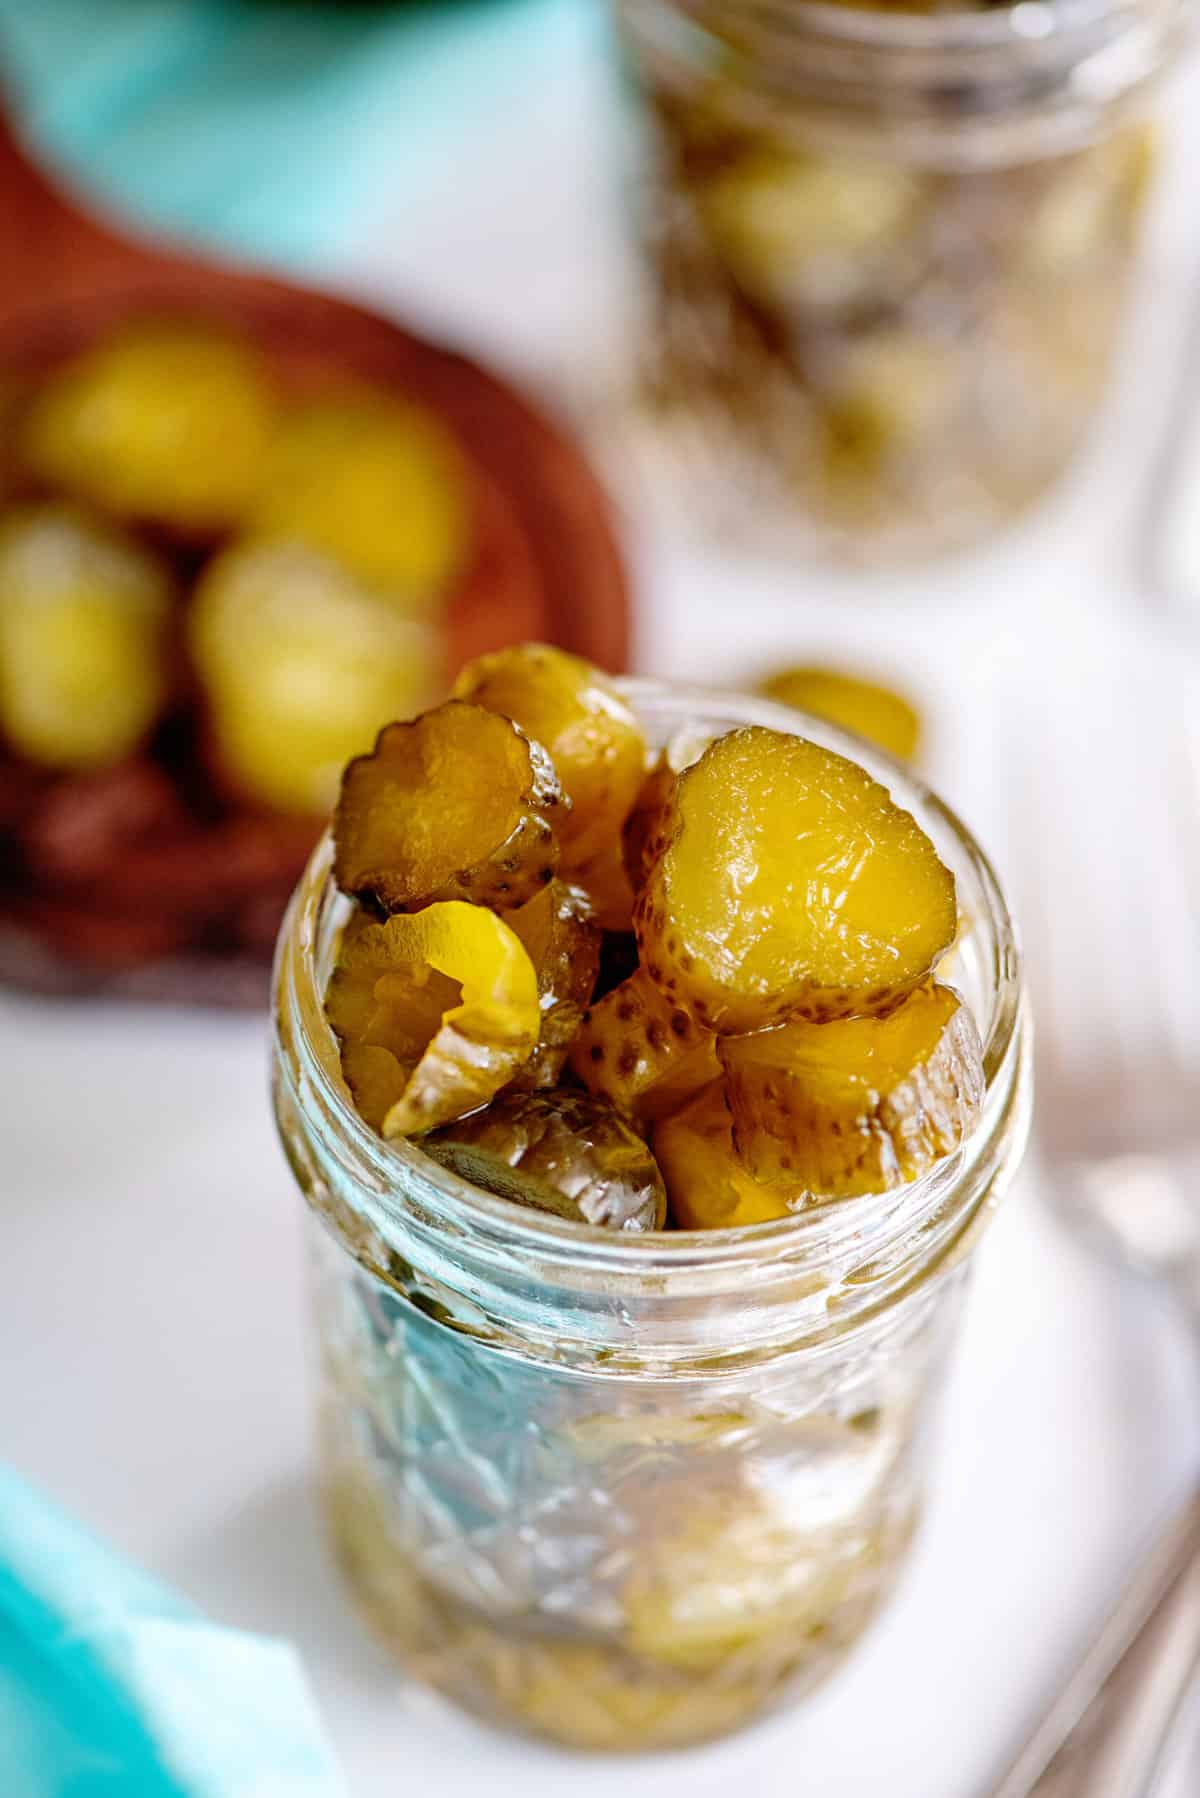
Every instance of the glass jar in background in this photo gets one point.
(627, 1492)
(887, 252)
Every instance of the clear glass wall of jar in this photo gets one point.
(887, 252)
(628, 1492)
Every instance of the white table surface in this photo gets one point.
(152, 1334)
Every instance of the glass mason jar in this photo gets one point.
(887, 252)
(629, 1491)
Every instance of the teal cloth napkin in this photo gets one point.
(257, 126)
(113, 1687)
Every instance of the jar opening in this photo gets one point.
(410, 1219)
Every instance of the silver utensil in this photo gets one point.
(1107, 839)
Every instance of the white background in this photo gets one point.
(152, 1339)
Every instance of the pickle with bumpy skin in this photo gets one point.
(301, 665)
(457, 804)
(564, 947)
(167, 422)
(83, 639)
(645, 834)
(872, 710)
(561, 1152)
(791, 886)
(642, 1053)
(375, 483)
(588, 730)
(708, 1185)
(449, 997)
(858, 1106)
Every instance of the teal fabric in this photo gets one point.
(253, 125)
(113, 1687)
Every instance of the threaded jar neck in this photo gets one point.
(958, 90)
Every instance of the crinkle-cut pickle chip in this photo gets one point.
(301, 665)
(645, 834)
(708, 1185)
(643, 1054)
(169, 422)
(457, 804)
(588, 730)
(791, 886)
(83, 629)
(375, 483)
(874, 711)
(564, 947)
(449, 996)
(561, 1152)
(858, 1106)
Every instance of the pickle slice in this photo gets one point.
(561, 1152)
(166, 422)
(645, 834)
(376, 484)
(83, 639)
(859, 1106)
(449, 996)
(791, 886)
(564, 948)
(605, 886)
(875, 712)
(589, 731)
(708, 1186)
(643, 1054)
(301, 667)
(456, 804)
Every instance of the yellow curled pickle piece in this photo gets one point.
(83, 639)
(858, 1106)
(561, 1152)
(564, 947)
(588, 730)
(167, 422)
(457, 804)
(708, 1186)
(641, 1052)
(449, 997)
(868, 708)
(791, 886)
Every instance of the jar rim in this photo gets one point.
(655, 1253)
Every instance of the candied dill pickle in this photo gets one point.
(301, 666)
(167, 422)
(641, 1052)
(564, 948)
(561, 1152)
(459, 803)
(449, 996)
(83, 634)
(708, 1186)
(644, 836)
(588, 730)
(857, 1106)
(377, 484)
(873, 711)
(808, 232)
(791, 886)
(605, 886)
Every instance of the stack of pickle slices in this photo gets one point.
(696, 990)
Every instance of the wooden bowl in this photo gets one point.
(546, 564)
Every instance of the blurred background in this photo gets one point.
(339, 342)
